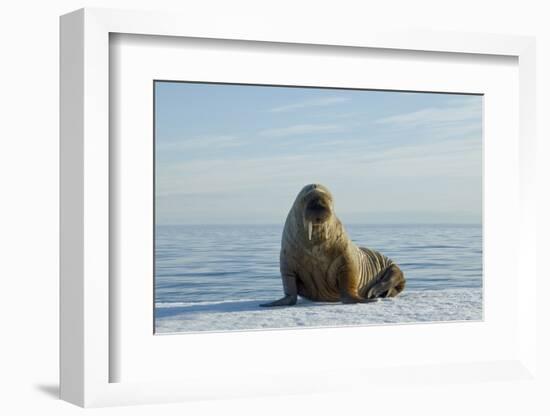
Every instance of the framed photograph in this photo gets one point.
(265, 191)
(236, 207)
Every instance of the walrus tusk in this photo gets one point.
(309, 229)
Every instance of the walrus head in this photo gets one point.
(314, 203)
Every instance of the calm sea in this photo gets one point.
(209, 263)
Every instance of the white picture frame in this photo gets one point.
(87, 356)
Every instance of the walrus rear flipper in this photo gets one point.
(288, 300)
(389, 284)
(347, 300)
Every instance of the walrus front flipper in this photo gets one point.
(288, 300)
(289, 287)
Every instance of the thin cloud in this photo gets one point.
(188, 191)
(432, 116)
(300, 129)
(192, 143)
(255, 174)
(318, 102)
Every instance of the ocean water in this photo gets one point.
(212, 277)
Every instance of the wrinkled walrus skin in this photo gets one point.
(319, 262)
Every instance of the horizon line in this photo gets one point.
(349, 223)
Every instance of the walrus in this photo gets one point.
(319, 262)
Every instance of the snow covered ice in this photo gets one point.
(410, 306)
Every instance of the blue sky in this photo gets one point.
(230, 154)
